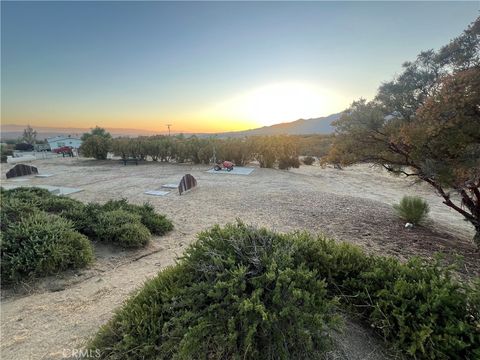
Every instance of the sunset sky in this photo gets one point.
(206, 67)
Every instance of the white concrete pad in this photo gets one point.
(66, 190)
(237, 170)
(19, 180)
(157, 192)
(170, 186)
(43, 175)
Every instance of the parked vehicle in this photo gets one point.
(64, 150)
(24, 147)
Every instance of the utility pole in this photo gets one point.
(168, 126)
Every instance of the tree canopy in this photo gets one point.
(424, 124)
(29, 135)
(96, 143)
(97, 131)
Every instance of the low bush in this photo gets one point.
(13, 210)
(308, 160)
(26, 209)
(26, 193)
(245, 293)
(60, 204)
(42, 244)
(286, 163)
(238, 293)
(412, 209)
(157, 224)
(419, 308)
(122, 228)
(133, 235)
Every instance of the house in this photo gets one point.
(61, 141)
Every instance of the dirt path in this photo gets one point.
(50, 318)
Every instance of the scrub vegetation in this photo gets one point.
(43, 234)
(245, 293)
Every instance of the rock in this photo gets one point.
(408, 226)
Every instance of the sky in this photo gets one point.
(207, 66)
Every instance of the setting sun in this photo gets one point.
(277, 102)
(280, 102)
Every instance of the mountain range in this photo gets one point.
(321, 125)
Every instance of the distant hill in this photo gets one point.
(321, 125)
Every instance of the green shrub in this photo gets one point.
(13, 210)
(132, 235)
(59, 204)
(308, 160)
(237, 290)
(42, 233)
(286, 163)
(96, 146)
(157, 224)
(42, 244)
(420, 309)
(119, 226)
(412, 209)
(26, 193)
(238, 293)
(84, 219)
(5, 151)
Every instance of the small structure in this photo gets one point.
(237, 170)
(21, 170)
(188, 182)
(58, 142)
(126, 159)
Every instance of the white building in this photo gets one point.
(60, 141)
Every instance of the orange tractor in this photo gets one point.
(223, 165)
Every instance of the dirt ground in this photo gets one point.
(51, 318)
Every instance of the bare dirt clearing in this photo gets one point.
(48, 319)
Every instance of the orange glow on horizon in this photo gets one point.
(261, 106)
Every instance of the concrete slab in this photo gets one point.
(237, 170)
(170, 186)
(157, 192)
(43, 175)
(19, 180)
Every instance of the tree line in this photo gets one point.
(270, 151)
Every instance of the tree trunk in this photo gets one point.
(476, 238)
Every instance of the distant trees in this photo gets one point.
(268, 150)
(29, 135)
(96, 144)
(97, 131)
(424, 124)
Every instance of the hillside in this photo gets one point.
(321, 125)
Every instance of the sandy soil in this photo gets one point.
(52, 317)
